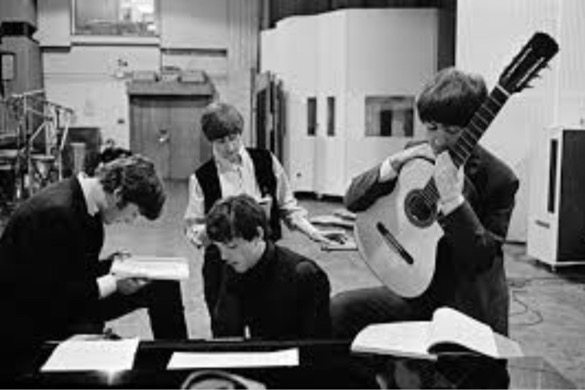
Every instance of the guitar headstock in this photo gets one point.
(534, 56)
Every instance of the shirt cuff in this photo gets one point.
(387, 171)
(194, 233)
(449, 206)
(106, 285)
(302, 224)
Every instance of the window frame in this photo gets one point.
(76, 36)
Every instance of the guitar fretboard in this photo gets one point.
(470, 136)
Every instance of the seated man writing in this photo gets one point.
(268, 292)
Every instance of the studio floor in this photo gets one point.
(547, 313)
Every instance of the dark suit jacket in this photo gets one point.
(284, 296)
(48, 261)
(470, 273)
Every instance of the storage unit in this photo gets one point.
(347, 74)
(556, 226)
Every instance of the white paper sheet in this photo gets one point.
(287, 357)
(164, 268)
(83, 355)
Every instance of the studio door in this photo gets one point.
(167, 129)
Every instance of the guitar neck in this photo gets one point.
(462, 149)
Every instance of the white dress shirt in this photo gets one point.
(239, 178)
(106, 283)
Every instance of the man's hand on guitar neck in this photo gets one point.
(390, 168)
(449, 182)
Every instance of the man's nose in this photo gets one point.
(130, 218)
(232, 145)
(224, 255)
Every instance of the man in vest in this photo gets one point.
(235, 170)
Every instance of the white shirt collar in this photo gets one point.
(222, 163)
(86, 188)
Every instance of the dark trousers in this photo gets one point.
(214, 274)
(161, 298)
(353, 310)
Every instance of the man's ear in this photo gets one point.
(260, 233)
(117, 195)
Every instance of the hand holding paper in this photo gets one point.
(151, 267)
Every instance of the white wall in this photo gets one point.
(194, 23)
(217, 36)
(54, 23)
(557, 98)
(85, 80)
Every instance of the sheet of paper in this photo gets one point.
(169, 268)
(102, 355)
(287, 357)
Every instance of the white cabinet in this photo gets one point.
(556, 226)
(331, 64)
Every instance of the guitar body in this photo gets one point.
(418, 238)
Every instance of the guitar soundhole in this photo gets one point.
(418, 211)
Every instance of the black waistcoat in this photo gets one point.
(262, 159)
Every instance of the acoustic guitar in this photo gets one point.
(397, 236)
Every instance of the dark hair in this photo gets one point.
(235, 217)
(136, 178)
(451, 97)
(220, 120)
(108, 154)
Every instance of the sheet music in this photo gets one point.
(287, 357)
(84, 355)
(165, 268)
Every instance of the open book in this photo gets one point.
(448, 332)
(152, 267)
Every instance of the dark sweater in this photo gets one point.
(284, 296)
(48, 264)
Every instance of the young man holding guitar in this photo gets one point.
(439, 242)
(473, 208)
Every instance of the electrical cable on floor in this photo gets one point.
(525, 309)
(556, 280)
(517, 286)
